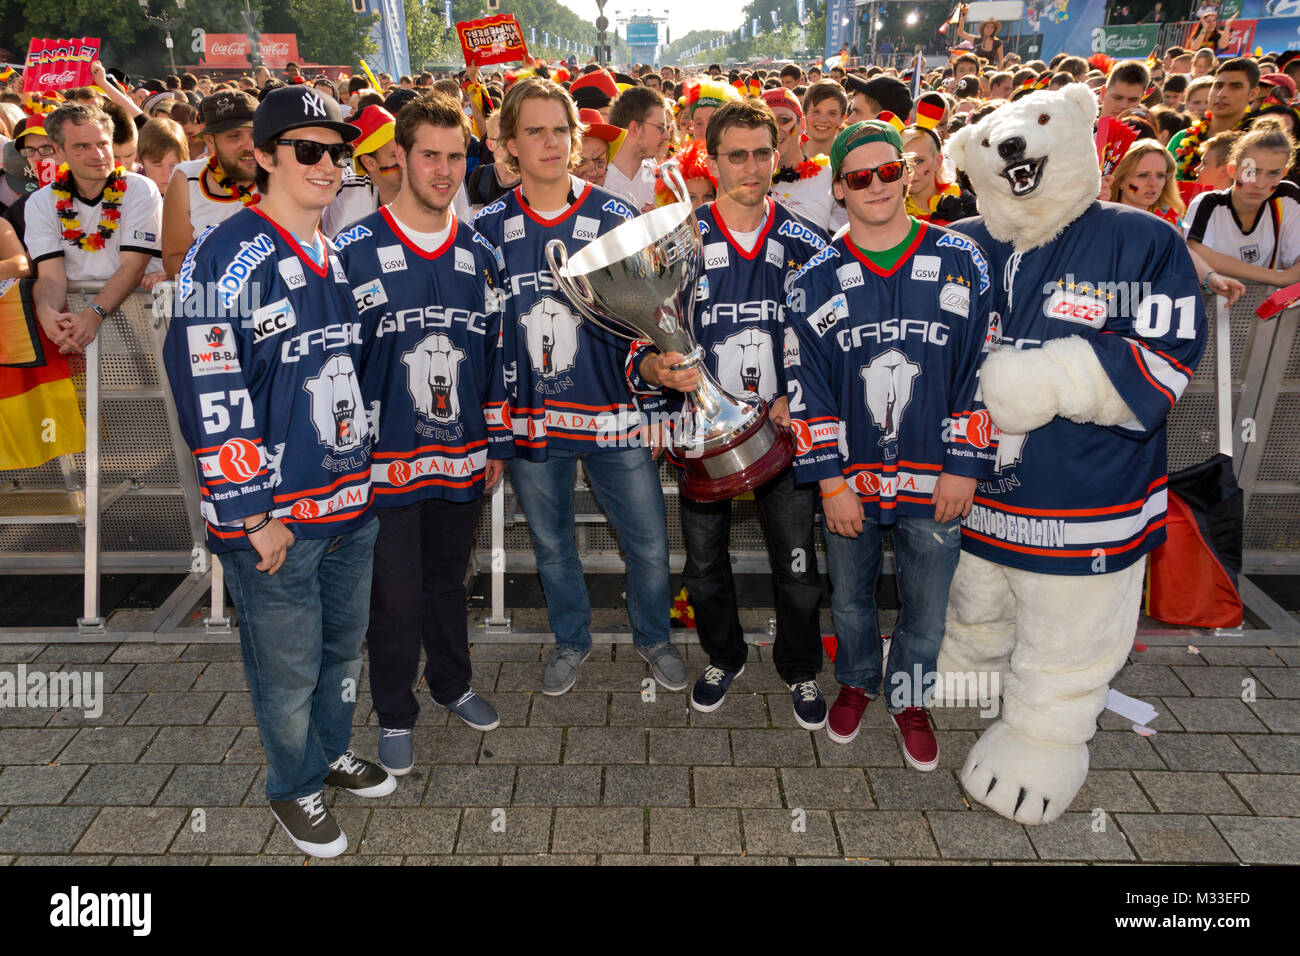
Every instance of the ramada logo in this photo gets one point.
(802, 437)
(216, 336)
(399, 473)
(866, 483)
(304, 509)
(979, 430)
(239, 460)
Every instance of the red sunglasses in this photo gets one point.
(861, 178)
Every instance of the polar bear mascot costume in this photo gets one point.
(1101, 327)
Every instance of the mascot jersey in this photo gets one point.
(739, 319)
(569, 390)
(431, 368)
(1068, 494)
(262, 354)
(884, 366)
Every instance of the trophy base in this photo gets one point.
(748, 461)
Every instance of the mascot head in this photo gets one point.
(1033, 164)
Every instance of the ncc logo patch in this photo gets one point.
(775, 253)
(702, 289)
(212, 349)
(369, 295)
(273, 319)
(925, 268)
(715, 256)
(955, 298)
(464, 260)
(514, 228)
(291, 273)
(826, 317)
(586, 228)
(391, 258)
(849, 275)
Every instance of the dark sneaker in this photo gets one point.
(846, 714)
(396, 750)
(310, 826)
(809, 705)
(475, 711)
(561, 671)
(361, 777)
(666, 664)
(711, 689)
(920, 749)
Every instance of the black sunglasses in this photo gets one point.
(308, 151)
(861, 178)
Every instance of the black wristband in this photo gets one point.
(260, 525)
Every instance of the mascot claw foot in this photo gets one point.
(1026, 780)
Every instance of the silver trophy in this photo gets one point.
(641, 277)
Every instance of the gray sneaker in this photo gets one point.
(666, 664)
(562, 670)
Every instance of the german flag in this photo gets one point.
(39, 417)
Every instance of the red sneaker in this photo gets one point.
(845, 718)
(920, 749)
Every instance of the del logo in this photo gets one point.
(715, 255)
(304, 509)
(979, 429)
(1073, 307)
(926, 268)
(239, 460)
(866, 483)
(802, 436)
(291, 272)
(399, 473)
(273, 319)
(391, 258)
(464, 260)
(585, 228)
(955, 298)
(369, 295)
(212, 350)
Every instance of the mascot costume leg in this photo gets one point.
(1101, 327)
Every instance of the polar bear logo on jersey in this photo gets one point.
(888, 381)
(432, 373)
(745, 364)
(336, 407)
(552, 336)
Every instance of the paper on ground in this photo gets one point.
(1138, 711)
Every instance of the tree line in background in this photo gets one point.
(785, 41)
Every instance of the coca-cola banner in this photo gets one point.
(59, 64)
(225, 49)
(279, 49)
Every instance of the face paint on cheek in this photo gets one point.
(387, 170)
(1132, 187)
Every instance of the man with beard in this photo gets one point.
(438, 381)
(209, 190)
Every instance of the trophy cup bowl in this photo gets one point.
(638, 281)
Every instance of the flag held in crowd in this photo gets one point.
(497, 39)
(59, 64)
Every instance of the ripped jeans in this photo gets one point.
(925, 557)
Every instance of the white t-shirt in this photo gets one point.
(206, 207)
(139, 229)
(811, 198)
(638, 190)
(1273, 242)
(357, 199)
(426, 241)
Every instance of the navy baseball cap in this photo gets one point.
(295, 107)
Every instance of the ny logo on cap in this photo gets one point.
(312, 105)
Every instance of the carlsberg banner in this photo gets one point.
(1126, 42)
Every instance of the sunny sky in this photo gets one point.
(683, 15)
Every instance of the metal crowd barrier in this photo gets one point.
(146, 515)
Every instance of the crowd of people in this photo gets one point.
(364, 324)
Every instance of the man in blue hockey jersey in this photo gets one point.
(891, 321)
(427, 288)
(752, 247)
(571, 401)
(262, 356)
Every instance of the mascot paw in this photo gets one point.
(1026, 780)
(1019, 389)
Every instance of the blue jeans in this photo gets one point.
(300, 633)
(626, 484)
(925, 555)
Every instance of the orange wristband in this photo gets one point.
(843, 487)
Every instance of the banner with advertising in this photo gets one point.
(1132, 42)
(1278, 34)
(59, 64)
(1063, 26)
(497, 39)
(278, 50)
(837, 19)
(225, 49)
(1260, 9)
(1240, 39)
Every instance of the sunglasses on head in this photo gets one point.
(861, 178)
(308, 152)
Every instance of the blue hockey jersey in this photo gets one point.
(262, 355)
(1084, 499)
(883, 370)
(568, 389)
(431, 358)
(739, 314)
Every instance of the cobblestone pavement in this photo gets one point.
(172, 772)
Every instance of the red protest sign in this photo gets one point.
(497, 39)
(59, 64)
